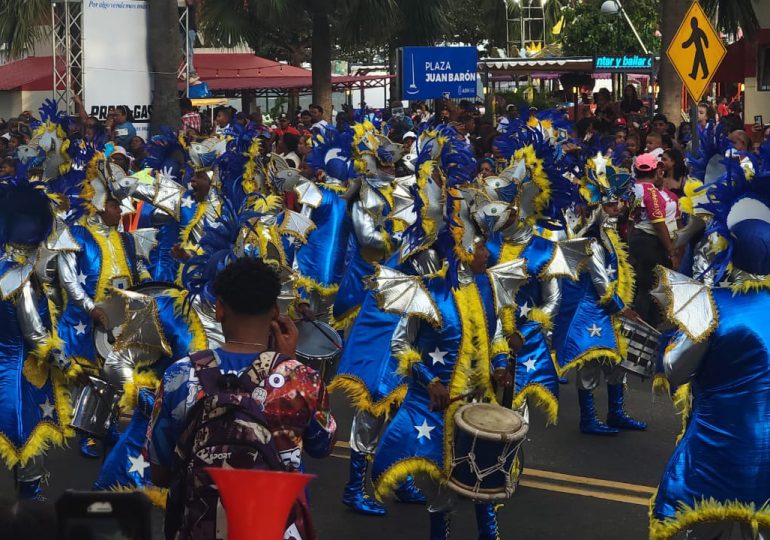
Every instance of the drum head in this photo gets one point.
(318, 340)
(491, 422)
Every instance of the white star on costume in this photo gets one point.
(424, 430)
(47, 408)
(611, 272)
(187, 202)
(80, 328)
(530, 365)
(138, 464)
(82, 278)
(594, 331)
(524, 309)
(600, 162)
(438, 357)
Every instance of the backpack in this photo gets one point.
(225, 427)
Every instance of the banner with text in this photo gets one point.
(115, 67)
(435, 72)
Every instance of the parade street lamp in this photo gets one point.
(613, 7)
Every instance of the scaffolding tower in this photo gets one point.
(67, 53)
(525, 23)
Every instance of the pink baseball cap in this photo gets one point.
(646, 162)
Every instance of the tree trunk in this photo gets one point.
(671, 14)
(321, 60)
(165, 52)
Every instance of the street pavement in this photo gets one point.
(574, 486)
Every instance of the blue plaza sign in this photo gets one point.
(434, 72)
(623, 62)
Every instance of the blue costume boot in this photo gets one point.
(439, 525)
(355, 493)
(410, 493)
(486, 521)
(589, 423)
(30, 490)
(88, 447)
(616, 415)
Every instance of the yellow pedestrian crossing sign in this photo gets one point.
(696, 51)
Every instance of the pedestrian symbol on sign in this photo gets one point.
(696, 51)
(698, 39)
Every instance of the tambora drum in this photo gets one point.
(319, 346)
(95, 407)
(486, 442)
(643, 346)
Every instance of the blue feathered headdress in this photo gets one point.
(332, 153)
(713, 142)
(26, 211)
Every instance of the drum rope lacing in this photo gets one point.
(510, 448)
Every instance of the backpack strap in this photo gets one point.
(206, 366)
(258, 372)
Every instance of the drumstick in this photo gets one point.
(323, 332)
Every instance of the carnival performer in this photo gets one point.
(717, 482)
(586, 333)
(449, 347)
(105, 259)
(320, 260)
(367, 371)
(35, 409)
(532, 188)
(180, 214)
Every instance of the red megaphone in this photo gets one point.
(257, 503)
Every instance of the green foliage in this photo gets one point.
(733, 14)
(588, 31)
(21, 24)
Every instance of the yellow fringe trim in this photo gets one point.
(145, 379)
(626, 282)
(542, 397)
(406, 359)
(708, 510)
(395, 475)
(200, 212)
(46, 433)
(539, 316)
(156, 495)
(44, 348)
(499, 346)
(304, 282)
(683, 406)
(360, 397)
(537, 174)
(114, 262)
(751, 285)
(458, 228)
(660, 385)
(199, 341)
(602, 354)
(346, 320)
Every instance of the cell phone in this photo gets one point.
(758, 119)
(103, 515)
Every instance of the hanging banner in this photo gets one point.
(435, 72)
(115, 67)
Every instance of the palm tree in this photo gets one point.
(25, 22)
(729, 16)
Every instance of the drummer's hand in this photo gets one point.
(503, 377)
(629, 313)
(439, 396)
(305, 312)
(515, 342)
(179, 253)
(99, 317)
(285, 336)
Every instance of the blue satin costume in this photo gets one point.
(182, 331)
(584, 329)
(536, 373)
(465, 338)
(321, 261)
(162, 265)
(724, 454)
(34, 409)
(75, 326)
